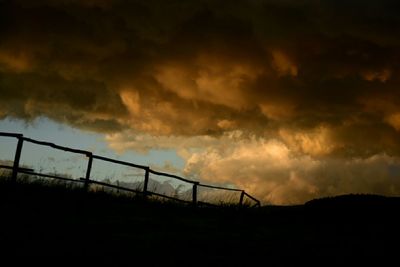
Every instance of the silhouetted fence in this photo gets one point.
(86, 181)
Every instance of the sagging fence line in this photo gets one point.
(87, 181)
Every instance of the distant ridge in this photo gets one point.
(355, 206)
(353, 199)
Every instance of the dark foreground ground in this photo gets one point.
(57, 226)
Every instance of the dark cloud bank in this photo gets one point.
(315, 81)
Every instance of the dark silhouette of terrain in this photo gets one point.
(58, 225)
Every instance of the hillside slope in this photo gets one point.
(59, 225)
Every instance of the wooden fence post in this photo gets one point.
(88, 170)
(146, 181)
(194, 199)
(16, 159)
(241, 198)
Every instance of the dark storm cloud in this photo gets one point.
(277, 69)
(288, 99)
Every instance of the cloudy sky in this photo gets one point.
(288, 99)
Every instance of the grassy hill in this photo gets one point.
(60, 225)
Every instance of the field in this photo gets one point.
(48, 223)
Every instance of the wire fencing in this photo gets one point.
(144, 180)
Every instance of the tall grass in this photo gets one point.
(99, 191)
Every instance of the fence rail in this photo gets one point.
(87, 181)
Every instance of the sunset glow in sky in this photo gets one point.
(288, 99)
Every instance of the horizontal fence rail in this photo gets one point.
(78, 151)
(121, 162)
(87, 181)
(171, 175)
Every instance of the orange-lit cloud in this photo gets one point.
(271, 169)
(283, 64)
(276, 175)
(15, 63)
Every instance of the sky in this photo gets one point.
(288, 99)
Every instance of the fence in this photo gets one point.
(86, 181)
